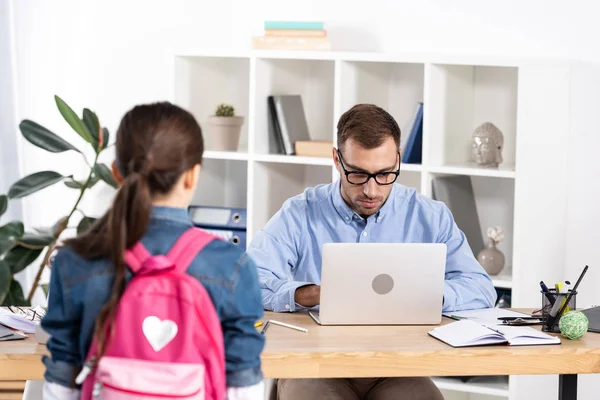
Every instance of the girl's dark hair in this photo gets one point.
(155, 144)
(368, 125)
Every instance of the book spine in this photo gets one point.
(295, 33)
(291, 43)
(294, 25)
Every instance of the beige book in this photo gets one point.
(290, 43)
(313, 148)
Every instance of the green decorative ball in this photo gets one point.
(573, 325)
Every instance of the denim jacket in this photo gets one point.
(79, 288)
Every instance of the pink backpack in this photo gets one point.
(167, 340)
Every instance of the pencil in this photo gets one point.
(289, 326)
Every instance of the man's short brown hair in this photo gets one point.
(368, 125)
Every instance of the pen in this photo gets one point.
(515, 318)
(289, 326)
(457, 317)
(259, 323)
(264, 329)
(573, 291)
(547, 293)
(565, 304)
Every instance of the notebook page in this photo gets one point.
(518, 336)
(466, 333)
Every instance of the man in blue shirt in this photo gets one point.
(363, 206)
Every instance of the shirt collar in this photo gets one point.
(349, 214)
(180, 215)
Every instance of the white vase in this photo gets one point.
(491, 259)
(224, 133)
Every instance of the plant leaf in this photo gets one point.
(73, 120)
(15, 295)
(90, 119)
(73, 184)
(52, 230)
(3, 204)
(12, 230)
(20, 257)
(43, 138)
(41, 240)
(102, 172)
(33, 183)
(85, 224)
(5, 278)
(105, 137)
(5, 245)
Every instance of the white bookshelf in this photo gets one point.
(528, 99)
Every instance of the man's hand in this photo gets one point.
(308, 296)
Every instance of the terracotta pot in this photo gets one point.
(224, 133)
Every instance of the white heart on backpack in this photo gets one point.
(159, 333)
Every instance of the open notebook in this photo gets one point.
(466, 333)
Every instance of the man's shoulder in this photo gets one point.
(311, 197)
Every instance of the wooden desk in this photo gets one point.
(372, 351)
(390, 351)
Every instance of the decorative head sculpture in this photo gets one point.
(487, 145)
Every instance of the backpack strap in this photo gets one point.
(188, 246)
(136, 257)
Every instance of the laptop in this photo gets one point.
(381, 284)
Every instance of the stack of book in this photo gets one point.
(293, 35)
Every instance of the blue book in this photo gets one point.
(294, 25)
(218, 217)
(413, 152)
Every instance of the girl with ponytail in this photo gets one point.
(158, 161)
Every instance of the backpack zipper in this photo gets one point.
(165, 396)
(85, 371)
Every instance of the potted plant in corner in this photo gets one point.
(224, 128)
(19, 249)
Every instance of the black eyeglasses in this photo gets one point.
(360, 178)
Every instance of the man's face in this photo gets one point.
(366, 199)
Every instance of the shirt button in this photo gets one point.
(364, 233)
(287, 306)
(347, 218)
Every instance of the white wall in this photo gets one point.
(9, 161)
(110, 55)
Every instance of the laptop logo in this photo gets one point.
(383, 284)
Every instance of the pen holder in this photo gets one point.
(552, 302)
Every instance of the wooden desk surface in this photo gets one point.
(367, 351)
(385, 351)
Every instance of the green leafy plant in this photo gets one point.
(19, 249)
(225, 110)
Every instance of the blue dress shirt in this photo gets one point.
(288, 249)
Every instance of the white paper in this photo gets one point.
(486, 316)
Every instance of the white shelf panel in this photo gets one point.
(411, 168)
(504, 279)
(491, 388)
(503, 171)
(282, 159)
(225, 155)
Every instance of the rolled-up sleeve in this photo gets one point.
(275, 251)
(62, 322)
(467, 285)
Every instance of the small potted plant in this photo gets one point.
(224, 129)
